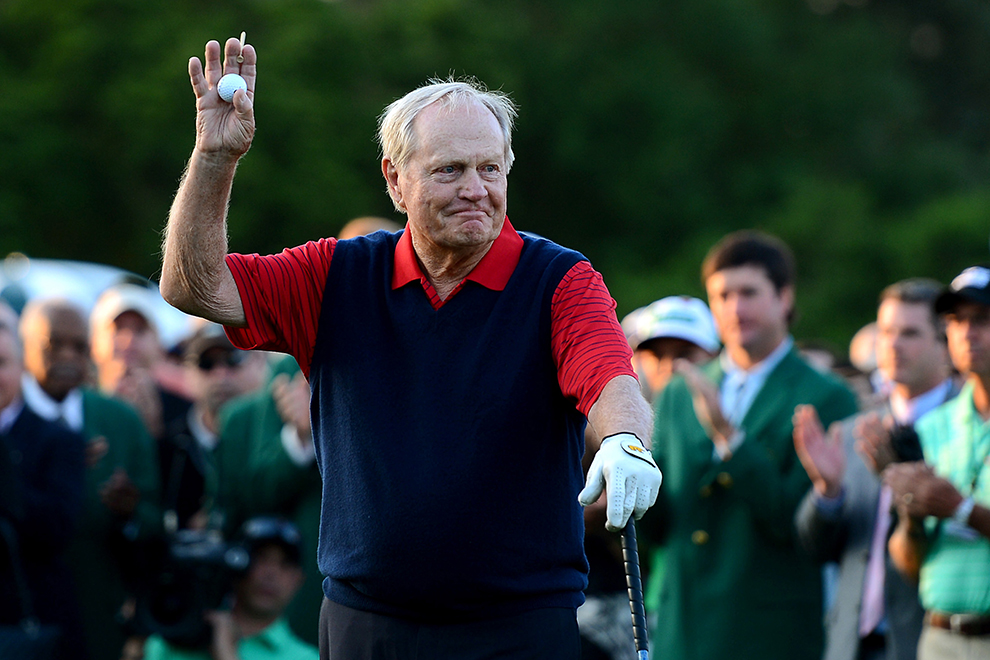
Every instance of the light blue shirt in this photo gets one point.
(955, 575)
(276, 642)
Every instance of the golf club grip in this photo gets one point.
(630, 557)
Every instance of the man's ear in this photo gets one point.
(391, 174)
(786, 294)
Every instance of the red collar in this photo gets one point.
(492, 272)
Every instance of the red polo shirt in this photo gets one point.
(282, 295)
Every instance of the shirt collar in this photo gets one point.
(69, 409)
(10, 414)
(967, 414)
(761, 369)
(908, 411)
(274, 636)
(492, 272)
(205, 438)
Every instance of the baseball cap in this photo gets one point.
(680, 317)
(207, 336)
(971, 285)
(120, 298)
(263, 530)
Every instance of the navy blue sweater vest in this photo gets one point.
(451, 461)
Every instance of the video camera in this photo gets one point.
(195, 571)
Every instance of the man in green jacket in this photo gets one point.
(735, 583)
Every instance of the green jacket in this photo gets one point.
(735, 584)
(100, 559)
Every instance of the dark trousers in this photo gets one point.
(545, 634)
(872, 647)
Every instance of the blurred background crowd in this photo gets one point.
(855, 130)
(162, 488)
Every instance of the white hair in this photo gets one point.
(395, 125)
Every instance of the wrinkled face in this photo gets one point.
(221, 374)
(56, 351)
(750, 313)
(908, 347)
(967, 328)
(129, 341)
(10, 368)
(271, 582)
(453, 187)
(654, 362)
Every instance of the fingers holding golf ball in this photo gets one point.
(225, 121)
(229, 84)
(238, 67)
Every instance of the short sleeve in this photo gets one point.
(282, 295)
(588, 344)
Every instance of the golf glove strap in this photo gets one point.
(628, 474)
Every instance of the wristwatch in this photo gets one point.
(963, 511)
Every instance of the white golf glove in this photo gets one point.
(629, 475)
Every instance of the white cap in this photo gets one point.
(120, 298)
(680, 317)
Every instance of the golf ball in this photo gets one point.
(229, 84)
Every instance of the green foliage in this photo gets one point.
(647, 130)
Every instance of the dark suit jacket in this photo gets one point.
(735, 584)
(48, 471)
(846, 539)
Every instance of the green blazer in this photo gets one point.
(258, 478)
(102, 562)
(735, 584)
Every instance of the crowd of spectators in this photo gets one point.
(786, 479)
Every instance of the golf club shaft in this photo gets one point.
(634, 581)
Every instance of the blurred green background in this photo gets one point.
(856, 130)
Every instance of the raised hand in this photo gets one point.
(119, 494)
(704, 395)
(292, 402)
(821, 454)
(224, 128)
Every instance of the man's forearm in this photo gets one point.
(908, 546)
(195, 277)
(621, 408)
(979, 519)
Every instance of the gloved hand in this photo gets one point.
(629, 475)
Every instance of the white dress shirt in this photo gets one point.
(69, 409)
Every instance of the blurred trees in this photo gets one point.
(857, 132)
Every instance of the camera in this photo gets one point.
(194, 572)
(906, 444)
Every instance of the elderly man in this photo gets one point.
(943, 536)
(44, 478)
(453, 367)
(120, 499)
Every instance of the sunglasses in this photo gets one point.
(229, 359)
(271, 528)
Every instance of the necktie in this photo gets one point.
(734, 399)
(872, 611)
